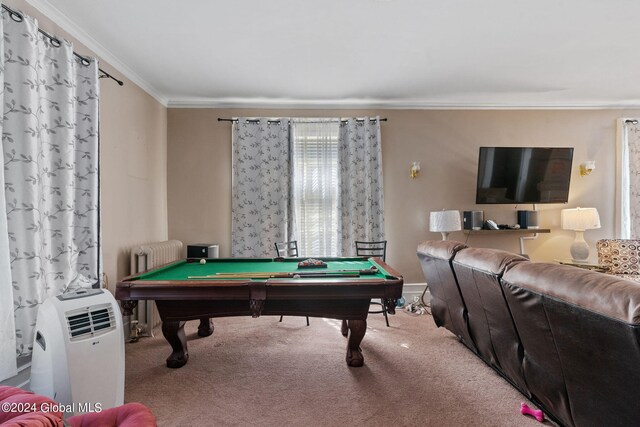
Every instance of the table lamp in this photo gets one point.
(445, 222)
(579, 220)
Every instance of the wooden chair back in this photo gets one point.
(287, 249)
(372, 249)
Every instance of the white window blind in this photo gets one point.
(315, 185)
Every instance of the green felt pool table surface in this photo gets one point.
(192, 269)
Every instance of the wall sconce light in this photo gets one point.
(587, 167)
(415, 170)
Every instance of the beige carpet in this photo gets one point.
(259, 372)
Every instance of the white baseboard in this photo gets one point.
(23, 377)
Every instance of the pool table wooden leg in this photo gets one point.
(357, 329)
(173, 332)
(344, 329)
(206, 327)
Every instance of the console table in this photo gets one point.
(584, 264)
(509, 231)
(521, 232)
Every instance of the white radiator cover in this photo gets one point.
(78, 351)
(145, 257)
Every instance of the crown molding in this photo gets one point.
(395, 104)
(54, 14)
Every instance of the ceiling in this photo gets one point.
(366, 53)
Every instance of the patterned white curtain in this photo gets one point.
(51, 182)
(315, 185)
(630, 182)
(261, 187)
(361, 190)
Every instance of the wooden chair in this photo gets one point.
(372, 249)
(288, 249)
(376, 249)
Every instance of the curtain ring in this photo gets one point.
(54, 42)
(16, 16)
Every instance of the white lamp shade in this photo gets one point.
(445, 221)
(580, 219)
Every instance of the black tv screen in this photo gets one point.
(516, 175)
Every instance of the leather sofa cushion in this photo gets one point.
(491, 261)
(489, 321)
(601, 293)
(447, 307)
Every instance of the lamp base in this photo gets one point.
(579, 248)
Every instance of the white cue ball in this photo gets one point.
(203, 261)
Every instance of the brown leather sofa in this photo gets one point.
(565, 337)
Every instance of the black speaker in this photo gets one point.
(202, 250)
(528, 219)
(473, 220)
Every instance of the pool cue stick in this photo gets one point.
(274, 276)
(372, 270)
(285, 275)
(238, 276)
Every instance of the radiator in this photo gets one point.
(145, 257)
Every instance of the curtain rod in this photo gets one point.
(384, 119)
(18, 17)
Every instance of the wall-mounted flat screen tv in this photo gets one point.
(518, 175)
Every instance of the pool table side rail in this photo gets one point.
(141, 274)
(187, 286)
(384, 268)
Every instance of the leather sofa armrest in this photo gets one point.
(442, 249)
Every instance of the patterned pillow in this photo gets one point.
(621, 256)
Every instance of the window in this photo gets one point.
(315, 185)
(316, 181)
(628, 179)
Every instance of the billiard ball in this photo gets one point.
(203, 261)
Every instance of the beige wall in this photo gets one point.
(445, 142)
(133, 147)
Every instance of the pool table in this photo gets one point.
(188, 290)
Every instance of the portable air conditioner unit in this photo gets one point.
(78, 351)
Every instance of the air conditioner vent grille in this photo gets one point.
(90, 321)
